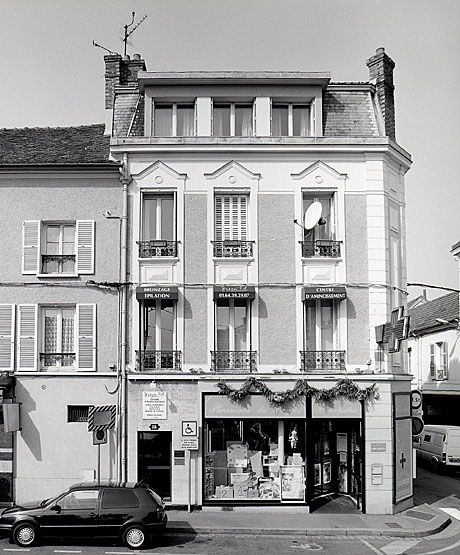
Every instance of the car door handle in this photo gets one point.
(92, 514)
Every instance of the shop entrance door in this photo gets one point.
(154, 461)
(335, 465)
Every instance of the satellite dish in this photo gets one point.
(313, 215)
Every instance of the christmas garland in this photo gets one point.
(343, 388)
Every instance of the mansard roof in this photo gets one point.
(45, 146)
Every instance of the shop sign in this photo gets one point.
(253, 406)
(403, 460)
(154, 405)
(234, 292)
(325, 293)
(189, 443)
(157, 292)
(378, 447)
(336, 408)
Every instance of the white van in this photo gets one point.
(439, 446)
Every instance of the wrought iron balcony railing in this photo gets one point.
(234, 361)
(58, 359)
(321, 247)
(153, 249)
(232, 249)
(159, 361)
(323, 361)
(58, 263)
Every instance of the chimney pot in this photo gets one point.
(136, 56)
(380, 50)
(381, 74)
(126, 58)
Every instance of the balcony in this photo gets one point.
(157, 248)
(158, 361)
(58, 263)
(320, 248)
(58, 360)
(232, 249)
(323, 362)
(234, 361)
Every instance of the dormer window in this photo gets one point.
(290, 120)
(232, 120)
(173, 120)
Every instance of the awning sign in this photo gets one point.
(157, 292)
(325, 293)
(234, 292)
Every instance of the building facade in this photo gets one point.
(267, 240)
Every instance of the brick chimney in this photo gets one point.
(381, 74)
(120, 71)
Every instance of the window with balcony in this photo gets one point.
(233, 336)
(231, 227)
(232, 120)
(173, 120)
(290, 120)
(58, 337)
(158, 341)
(320, 240)
(439, 360)
(158, 231)
(320, 325)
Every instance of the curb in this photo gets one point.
(208, 530)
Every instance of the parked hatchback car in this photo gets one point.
(126, 511)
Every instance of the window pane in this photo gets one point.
(149, 219)
(327, 327)
(79, 499)
(223, 324)
(50, 336)
(185, 121)
(241, 328)
(221, 121)
(149, 327)
(279, 121)
(68, 322)
(52, 239)
(167, 218)
(163, 121)
(117, 498)
(310, 326)
(167, 326)
(324, 231)
(301, 121)
(68, 239)
(243, 121)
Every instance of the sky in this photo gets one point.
(51, 75)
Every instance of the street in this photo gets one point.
(428, 488)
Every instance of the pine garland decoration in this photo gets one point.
(343, 388)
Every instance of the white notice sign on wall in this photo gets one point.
(154, 405)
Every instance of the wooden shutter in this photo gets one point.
(30, 246)
(218, 219)
(7, 314)
(231, 217)
(444, 360)
(85, 246)
(226, 218)
(27, 337)
(432, 362)
(243, 218)
(86, 337)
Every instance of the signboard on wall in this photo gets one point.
(253, 406)
(321, 293)
(234, 292)
(157, 292)
(154, 405)
(336, 408)
(403, 459)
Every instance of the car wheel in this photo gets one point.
(25, 534)
(135, 537)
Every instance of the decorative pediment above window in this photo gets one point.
(319, 175)
(159, 174)
(233, 175)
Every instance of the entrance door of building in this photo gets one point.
(154, 461)
(335, 463)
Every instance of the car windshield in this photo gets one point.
(50, 500)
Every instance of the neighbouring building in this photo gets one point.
(434, 355)
(267, 240)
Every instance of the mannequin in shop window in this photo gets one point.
(293, 437)
(258, 440)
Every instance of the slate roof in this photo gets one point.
(349, 113)
(85, 144)
(423, 317)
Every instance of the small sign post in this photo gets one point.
(100, 419)
(189, 442)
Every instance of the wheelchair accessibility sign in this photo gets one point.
(189, 428)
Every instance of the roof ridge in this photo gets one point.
(48, 127)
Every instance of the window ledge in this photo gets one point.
(57, 275)
(159, 259)
(233, 259)
(322, 259)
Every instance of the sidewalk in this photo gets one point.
(423, 520)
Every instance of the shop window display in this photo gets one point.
(255, 460)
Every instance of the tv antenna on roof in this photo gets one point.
(131, 31)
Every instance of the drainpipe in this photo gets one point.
(125, 180)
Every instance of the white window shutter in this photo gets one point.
(30, 246)
(432, 362)
(85, 246)
(218, 219)
(27, 337)
(226, 218)
(243, 217)
(86, 337)
(7, 314)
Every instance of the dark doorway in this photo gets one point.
(154, 461)
(335, 463)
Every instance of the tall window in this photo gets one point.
(325, 228)
(231, 217)
(158, 217)
(58, 337)
(158, 325)
(174, 120)
(320, 325)
(290, 120)
(439, 360)
(232, 325)
(58, 250)
(232, 120)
